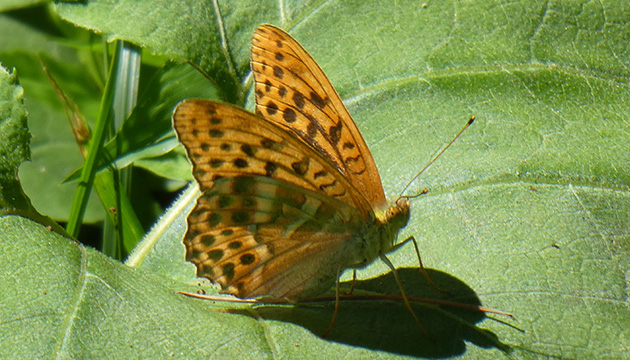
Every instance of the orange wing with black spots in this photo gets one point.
(293, 92)
(223, 140)
(274, 217)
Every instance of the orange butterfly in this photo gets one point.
(291, 196)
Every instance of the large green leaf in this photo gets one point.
(528, 212)
(73, 302)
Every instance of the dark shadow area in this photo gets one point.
(387, 325)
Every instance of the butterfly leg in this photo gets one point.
(404, 295)
(332, 322)
(354, 281)
(424, 272)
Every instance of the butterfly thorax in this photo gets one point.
(380, 237)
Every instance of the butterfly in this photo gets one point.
(290, 196)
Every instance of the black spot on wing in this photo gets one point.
(247, 259)
(247, 149)
(216, 163)
(317, 100)
(335, 133)
(270, 168)
(300, 167)
(298, 100)
(289, 115)
(240, 163)
(272, 108)
(278, 72)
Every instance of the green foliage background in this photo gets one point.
(528, 213)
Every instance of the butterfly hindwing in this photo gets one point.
(247, 232)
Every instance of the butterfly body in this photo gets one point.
(290, 195)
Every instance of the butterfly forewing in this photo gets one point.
(223, 141)
(293, 92)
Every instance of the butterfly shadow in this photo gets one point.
(387, 325)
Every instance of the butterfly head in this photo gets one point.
(397, 215)
(395, 218)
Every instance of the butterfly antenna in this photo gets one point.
(470, 121)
